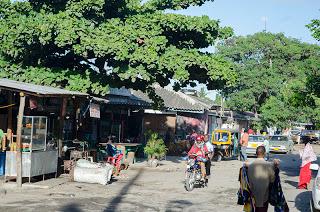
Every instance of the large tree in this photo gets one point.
(89, 45)
(272, 70)
(314, 75)
(313, 80)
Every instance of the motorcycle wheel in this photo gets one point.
(189, 182)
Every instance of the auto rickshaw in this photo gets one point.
(225, 142)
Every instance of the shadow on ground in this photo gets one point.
(117, 200)
(292, 183)
(302, 201)
(178, 205)
(71, 208)
(289, 165)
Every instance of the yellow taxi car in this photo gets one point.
(254, 142)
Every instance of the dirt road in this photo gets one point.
(147, 189)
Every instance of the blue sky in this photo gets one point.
(246, 16)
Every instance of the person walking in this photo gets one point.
(244, 144)
(209, 155)
(307, 156)
(266, 145)
(235, 144)
(261, 174)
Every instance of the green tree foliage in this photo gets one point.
(202, 93)
(155, 147)
(217, 100)
(314, 74)
(89, 45)
(273, 71)
(314, 27)
(313, 79)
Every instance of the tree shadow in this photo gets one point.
(292, 183)
(178, 205)
(174, 159)
(72, 207)
(289, 163)
(116, 201)
(302, 201)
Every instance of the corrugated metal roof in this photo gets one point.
(119, 92)
(173, 100)
(122, 100)
(36, 89)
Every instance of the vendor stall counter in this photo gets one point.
(37, 159)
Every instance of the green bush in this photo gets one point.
(155, 147)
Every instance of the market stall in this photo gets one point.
(38, 157)
(33, 140)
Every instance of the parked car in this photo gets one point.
(280, 144)
(254, 142)
(313, 136)
(315, 200)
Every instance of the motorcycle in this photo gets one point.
(193, 175)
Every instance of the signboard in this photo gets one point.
(94, 110)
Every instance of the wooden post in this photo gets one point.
(77, 117)
(10, 112)
(62, 116)
(19, 129)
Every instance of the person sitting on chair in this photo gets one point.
(111, 149)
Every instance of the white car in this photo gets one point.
(316, 189)
(254, 142)
(280, 144)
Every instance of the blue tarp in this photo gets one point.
(2, 163)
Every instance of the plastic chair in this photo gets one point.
(116, 162)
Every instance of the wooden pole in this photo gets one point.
(62, 116)
(10, 111)
(19, 129)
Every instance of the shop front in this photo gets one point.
(32, 118)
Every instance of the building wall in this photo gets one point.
(159, 123)
(243, 124)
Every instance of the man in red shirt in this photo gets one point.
(199, 150)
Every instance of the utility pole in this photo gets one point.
(221, 106)
(265, 19)
(221, 109)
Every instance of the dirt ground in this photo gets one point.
(146, 189)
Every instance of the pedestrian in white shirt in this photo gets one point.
(266, 145)
(209, 155)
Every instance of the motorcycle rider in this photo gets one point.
(199, 150)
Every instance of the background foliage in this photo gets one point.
(89, 45)
(275, 76)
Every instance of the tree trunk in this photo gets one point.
(255, 111)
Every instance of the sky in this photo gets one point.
(248, 17)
